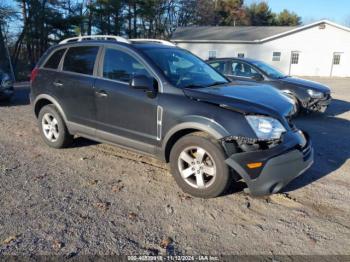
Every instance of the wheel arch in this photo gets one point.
(299, 92)
(43, 100)
(207, 126)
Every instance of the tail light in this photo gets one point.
(34, 74)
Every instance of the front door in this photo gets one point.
(124, 115)
(241, 71)
(219, 66)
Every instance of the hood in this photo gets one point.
(306, 84)
(258, 99)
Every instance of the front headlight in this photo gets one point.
(265, 127)
(314, 94)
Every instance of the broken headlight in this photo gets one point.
(265, 128)
(314, 94)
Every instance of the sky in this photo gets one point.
(337, 11)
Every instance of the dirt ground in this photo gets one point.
(98, 199)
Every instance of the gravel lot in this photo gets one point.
(98, 199)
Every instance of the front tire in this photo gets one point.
(198, 167)
(53, 129)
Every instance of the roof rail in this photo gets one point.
(163, 42)
(95, 37)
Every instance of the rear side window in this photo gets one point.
(121, 66)
(80, 59)
(219, 66)
(55, 59)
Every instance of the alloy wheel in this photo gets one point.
(197, 167)
(50, 127)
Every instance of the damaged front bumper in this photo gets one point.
(319, 105)
(280, 164)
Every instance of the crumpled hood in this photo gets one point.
(306, 84)
(258, 99)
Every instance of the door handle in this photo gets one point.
(58, 83)
(101, 93)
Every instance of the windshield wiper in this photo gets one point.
(216, 83)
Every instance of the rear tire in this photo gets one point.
(198, 167)
(53, 129)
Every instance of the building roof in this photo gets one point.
(240, 34)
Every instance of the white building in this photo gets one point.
(318, 49)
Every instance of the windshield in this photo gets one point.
(269, 70)
(183, 69)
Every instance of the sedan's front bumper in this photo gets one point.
(320, 105)
(281, 164)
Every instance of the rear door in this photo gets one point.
(124, 115)
(74, 85)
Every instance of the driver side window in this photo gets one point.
(219, 66)
(121, 66)
(243, 70)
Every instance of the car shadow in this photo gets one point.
(83, 142)
(338, 107)
(331, 142)
(235, 187)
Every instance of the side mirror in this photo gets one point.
(144, 83)
(258, 77)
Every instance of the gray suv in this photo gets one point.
(155, 98)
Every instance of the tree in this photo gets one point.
(45, 22)
(7, 15)
(261, 14)
(4, 60)
(205, 13)
(187, 12)
(286, 18)
(108, 16)
(231, 12)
